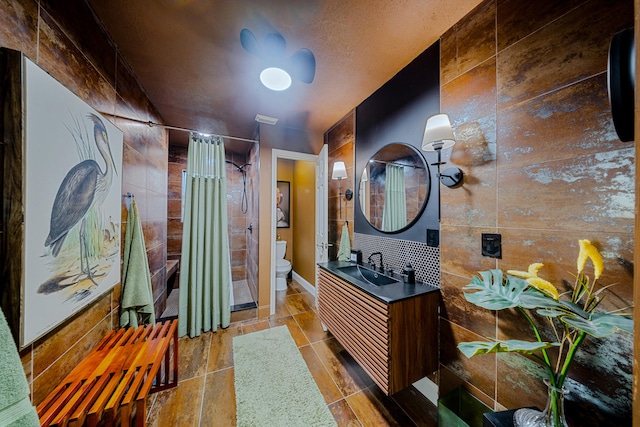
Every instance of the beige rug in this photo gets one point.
(273, 384)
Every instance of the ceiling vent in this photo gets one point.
(266, 119)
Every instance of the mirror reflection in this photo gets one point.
(394, 187)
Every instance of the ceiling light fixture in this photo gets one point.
(278, 68)
(275, 78)
(260, 118)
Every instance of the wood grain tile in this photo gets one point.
(296, 333)
(461, 251)
(310, 324)
(255, 326)
(347, 374)
(471, 95)
(516, 20)
(590, 192)
(343, 414)
(455, 308)
(448, 56)
(179, 406)
(296, 303)
(563, 124)
(416, 405)
(480, 371)
(321, 376)
(193, 355)
(19, 26)
(536, 65)
(48, 349)
(474, 205)
(219, 408)
(476, 37)
(373, 408)
(221, 348)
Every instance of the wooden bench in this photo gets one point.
(112, 383)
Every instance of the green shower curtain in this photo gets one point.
(205, 267)
(394, 210)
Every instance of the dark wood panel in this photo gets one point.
(413, 339)
(12, 133)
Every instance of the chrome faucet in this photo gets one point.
(370, 259)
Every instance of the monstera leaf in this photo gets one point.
(494, 292)
(600, 324)
(474, 348)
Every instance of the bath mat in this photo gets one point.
(273, 384)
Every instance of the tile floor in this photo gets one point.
(205, 395)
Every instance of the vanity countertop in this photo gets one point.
(387, 293)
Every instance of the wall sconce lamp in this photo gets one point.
(438, 137)
(340, 173)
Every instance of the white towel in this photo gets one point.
(344, 252)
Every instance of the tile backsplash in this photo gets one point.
(397, 253)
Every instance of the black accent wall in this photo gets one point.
(398, 112)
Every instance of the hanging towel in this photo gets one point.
(15, 407)
(137, 296)
(344, 252)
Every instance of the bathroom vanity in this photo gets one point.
(391, 330)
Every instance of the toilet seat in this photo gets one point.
(282, 263)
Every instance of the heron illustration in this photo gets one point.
(85, 186)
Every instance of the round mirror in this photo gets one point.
(394, 187)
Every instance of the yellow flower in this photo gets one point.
(587, 250)
(544, 286)
(532, 272)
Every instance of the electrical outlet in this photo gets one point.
(492, 245)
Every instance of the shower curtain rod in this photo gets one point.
(152, 124)
(396, 163)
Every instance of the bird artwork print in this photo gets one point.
(81, 193)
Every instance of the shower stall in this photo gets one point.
(242, 211)
(242, 180)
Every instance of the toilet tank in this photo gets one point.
(281, 249)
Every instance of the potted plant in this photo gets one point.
(573, 316)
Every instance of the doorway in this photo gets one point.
(314, 168)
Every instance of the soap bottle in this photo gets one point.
(410, 274)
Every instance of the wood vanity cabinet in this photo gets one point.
(395, 343)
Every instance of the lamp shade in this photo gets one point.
(438, 134)
(339, 171)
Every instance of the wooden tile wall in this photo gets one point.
(544, 168)
(525, 88)
(68, 44)
(341, 145)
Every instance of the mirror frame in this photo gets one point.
(428, 185)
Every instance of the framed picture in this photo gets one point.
(283, 203)
(68, 170)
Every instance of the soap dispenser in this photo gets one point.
(410, 274)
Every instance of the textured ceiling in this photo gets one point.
(187, 55)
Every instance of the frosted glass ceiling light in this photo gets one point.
(275, 78)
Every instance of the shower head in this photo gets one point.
(240, 168)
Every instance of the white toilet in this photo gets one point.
(283, 267)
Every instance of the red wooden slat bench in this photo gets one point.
(110, 386)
